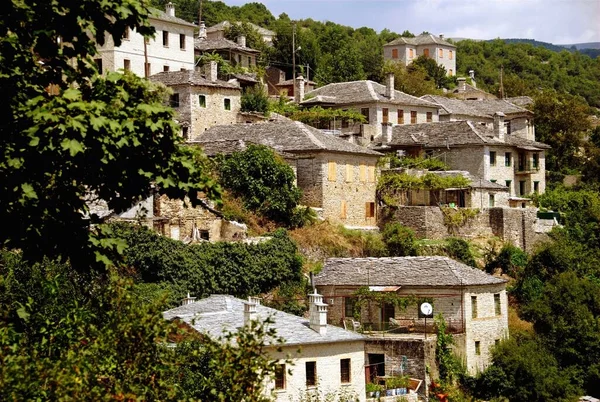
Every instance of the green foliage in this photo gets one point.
(210, 268)
(254, 99)
(460, 250)
(365, 296)
(254, 39)
(108, 137)
(414, 162)
(224, 67)
(318, 117)
(455, 218)
(511, 260)
(412, 80)
(448, 365)
(263, 180)
(400, 240)
(435, 72)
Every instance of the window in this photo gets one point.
(386, 115)
(182, 41)
(413, 117)
(202, 100)
(450, 56)
(311, 374)
(429, 117)
(492, 200)
(509, 185)
(174, 100)
(349, 172)
(507, 127)
(370, 210)
(98, 65)
(363, 172)
(185, 132)
(126, 34)
(166, 38)
(165, 68)
(394, 53)
(492, 158)
(507, 159)
(497, 306)
(349, 303)
(473, 306)
(147, 69)
(426, 52)
(477, 348)
(536, 186)
(371, 174)
(127, 65)
(331, 171)
(227, 103)
(343, 210)
(204, 234)
(441, 53)
(536, 160)
(522, 187)
(411, 53)
(239, 58)
(249, 61)
(365, 112)
(280, 376)
(344, 371)
(400, 116)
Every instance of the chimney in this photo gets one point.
(188, 300)
(254, 299)
(241, 40)
(170, 9)
(211, 71)
(462, 84)
(441, 36)
(202, 30)
(299, 89)
(499, 125)
(318, 313)
(249, 311)
(389, 86)
(472, 76)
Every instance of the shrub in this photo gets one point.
(460, 250)
(400, 240)
(511, 260)
(254, 99)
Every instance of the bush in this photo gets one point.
(400, 240)
(254, 99)
(511, 260)
(460, 250)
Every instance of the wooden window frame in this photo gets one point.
(474, 312)
(182, 41)
(478, 348)
(371, 174)
(343, 209)
(332, 171)
(311, 373)
(497, 304)
(345, 371)
(349, 173)
(369, 210)
(492, 158)
(227, 104)
(450, 55)
(394, 53)
(362, 173)
(400, 116)
(385, 115)
(165, 38)
(507, 159)
(429, 117)
(413, 117)
(280, 377)
(174, 100)
(440, 53)
(126, 64)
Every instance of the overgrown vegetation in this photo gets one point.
(455, 218)
(254, 99)
(393, 187)
(399, 240)
(416, 162)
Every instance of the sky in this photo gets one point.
(554, 21)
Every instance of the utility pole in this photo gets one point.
(200, 15)
(307, 72)
(501, 84)
(294, 54)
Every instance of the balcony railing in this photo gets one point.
(526, 167)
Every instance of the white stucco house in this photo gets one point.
(331, 359)
(171, 49)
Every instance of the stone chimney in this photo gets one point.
(318, 313)
(254, 299)
(389, 86)
(499, 129)
(170, 9)
(202, 30)
(441, 36)
(211, 71)
(299, 89)
(462, 84)
(188, 300)
(472, 76)
(249, 311)
(241, 40)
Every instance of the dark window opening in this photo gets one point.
(165, 36)
(345, 370)
(280, 376)
(311, 374)
(174, 100)
(202, 100)
(227, 104)
(182, 41)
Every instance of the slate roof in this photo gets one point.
(455, 133)
(402, 271)
(291, 82)
(283, 135)
(472, 92)
(207, 45)
(423, 39)
(218, 313)
(189, 77)
(226, 147)
(163, 16)
(476, 181)
(365, 91)
(476, 108)
(520, 100)
(221, 26)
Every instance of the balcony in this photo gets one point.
(526, 167)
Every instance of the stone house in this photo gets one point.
(473, 304)
(382, 105)
(172, 48)
(337, 178)
(217, 31)
(491, 154)
(277, 85)
(325, 358)
(236, 53)
(405, 50)
(201, 101)
(466, 91)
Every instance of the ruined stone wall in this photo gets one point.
(309, 173)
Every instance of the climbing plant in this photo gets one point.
(393, 186)
(455, 218)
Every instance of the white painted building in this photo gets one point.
(171, 49)
(330, 361)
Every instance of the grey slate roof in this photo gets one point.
(520, 100)
(402, 271)
(162, 15)
(476, 108)
(365, 91)
(218, 313)
(221, 26)
(423, 39)
(207, 45)
(455, 133)
(284, 135)
(226, 147)
(189, 77)
(476, 181)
